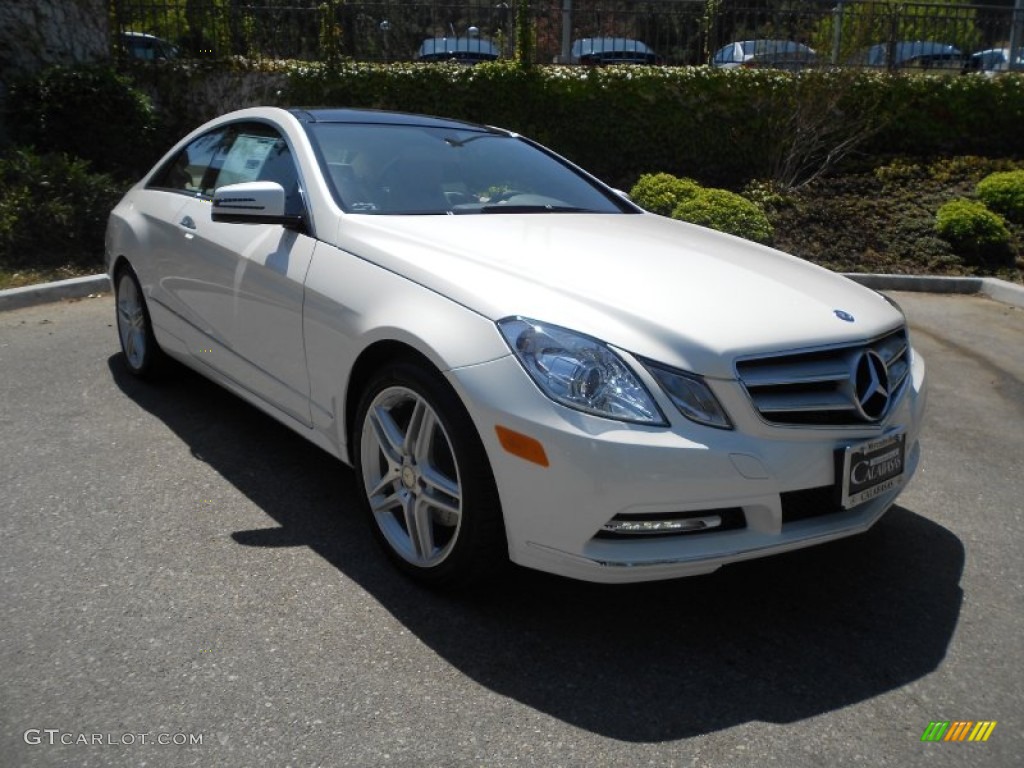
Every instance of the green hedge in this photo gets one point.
(720, 127)
(53, 210)
(91, 112)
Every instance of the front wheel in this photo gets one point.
(426, 484)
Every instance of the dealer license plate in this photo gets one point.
(873, 468)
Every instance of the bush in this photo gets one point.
(91, 112)
(713, 125)
(727, 212)
(1004, 193)
(972, 229)
(53, 211)
(661, 192)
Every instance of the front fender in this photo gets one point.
(352, 305)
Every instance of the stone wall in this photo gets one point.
(35, 34)
(38, 33)
(186, 95)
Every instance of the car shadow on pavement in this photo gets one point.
(775, 640)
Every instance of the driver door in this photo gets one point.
(242, 285)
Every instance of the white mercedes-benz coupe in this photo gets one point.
(518, 362)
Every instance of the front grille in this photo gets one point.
(828, 387)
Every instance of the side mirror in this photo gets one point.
(253, 202)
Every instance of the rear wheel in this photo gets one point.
(142, 355)
(426, 483)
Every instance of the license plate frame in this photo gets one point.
(872, 467)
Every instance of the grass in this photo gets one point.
(872, 219)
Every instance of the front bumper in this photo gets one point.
(782, 479)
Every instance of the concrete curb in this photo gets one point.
(75, 288)
(993, 288)
(999, 290)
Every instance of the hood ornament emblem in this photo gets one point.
(871, 385)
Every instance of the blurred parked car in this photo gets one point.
(140, 45)
(611, 50)
(992, 60)
(920, 54)
(465, 50)
(773, 54)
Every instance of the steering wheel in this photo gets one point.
(503, 196)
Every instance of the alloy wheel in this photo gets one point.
(131, 321)
(410, 476)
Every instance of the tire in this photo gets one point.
(426, 485)
(142, 355)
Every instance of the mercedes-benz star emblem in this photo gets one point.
(871, 385)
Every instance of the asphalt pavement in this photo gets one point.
(183, 582)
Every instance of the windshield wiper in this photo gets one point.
(513, 208)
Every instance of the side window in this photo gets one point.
(189, 169)
(258, 153)
(232, 155)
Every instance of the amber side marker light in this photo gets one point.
(521, 445)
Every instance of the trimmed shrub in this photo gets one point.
(661, 192)
(972, 229)
(727, 212)
(720, 127)
(1004, 193)
(89, 112)
(53, 211)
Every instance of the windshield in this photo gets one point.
(411, 169)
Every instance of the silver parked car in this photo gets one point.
(993, 60)
(772, 54)
(464, 50)
(611, 50)
(912, 54)
(140, 45)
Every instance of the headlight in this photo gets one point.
(690, 395)
(579, 372)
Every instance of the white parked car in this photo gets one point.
(518, 361)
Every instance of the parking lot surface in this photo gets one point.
(183, 582)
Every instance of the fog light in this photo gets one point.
(668, 525)
(653, 525)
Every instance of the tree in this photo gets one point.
(856, 24)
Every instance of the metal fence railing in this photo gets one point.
(878, 33)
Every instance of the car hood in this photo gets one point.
(673, 292)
